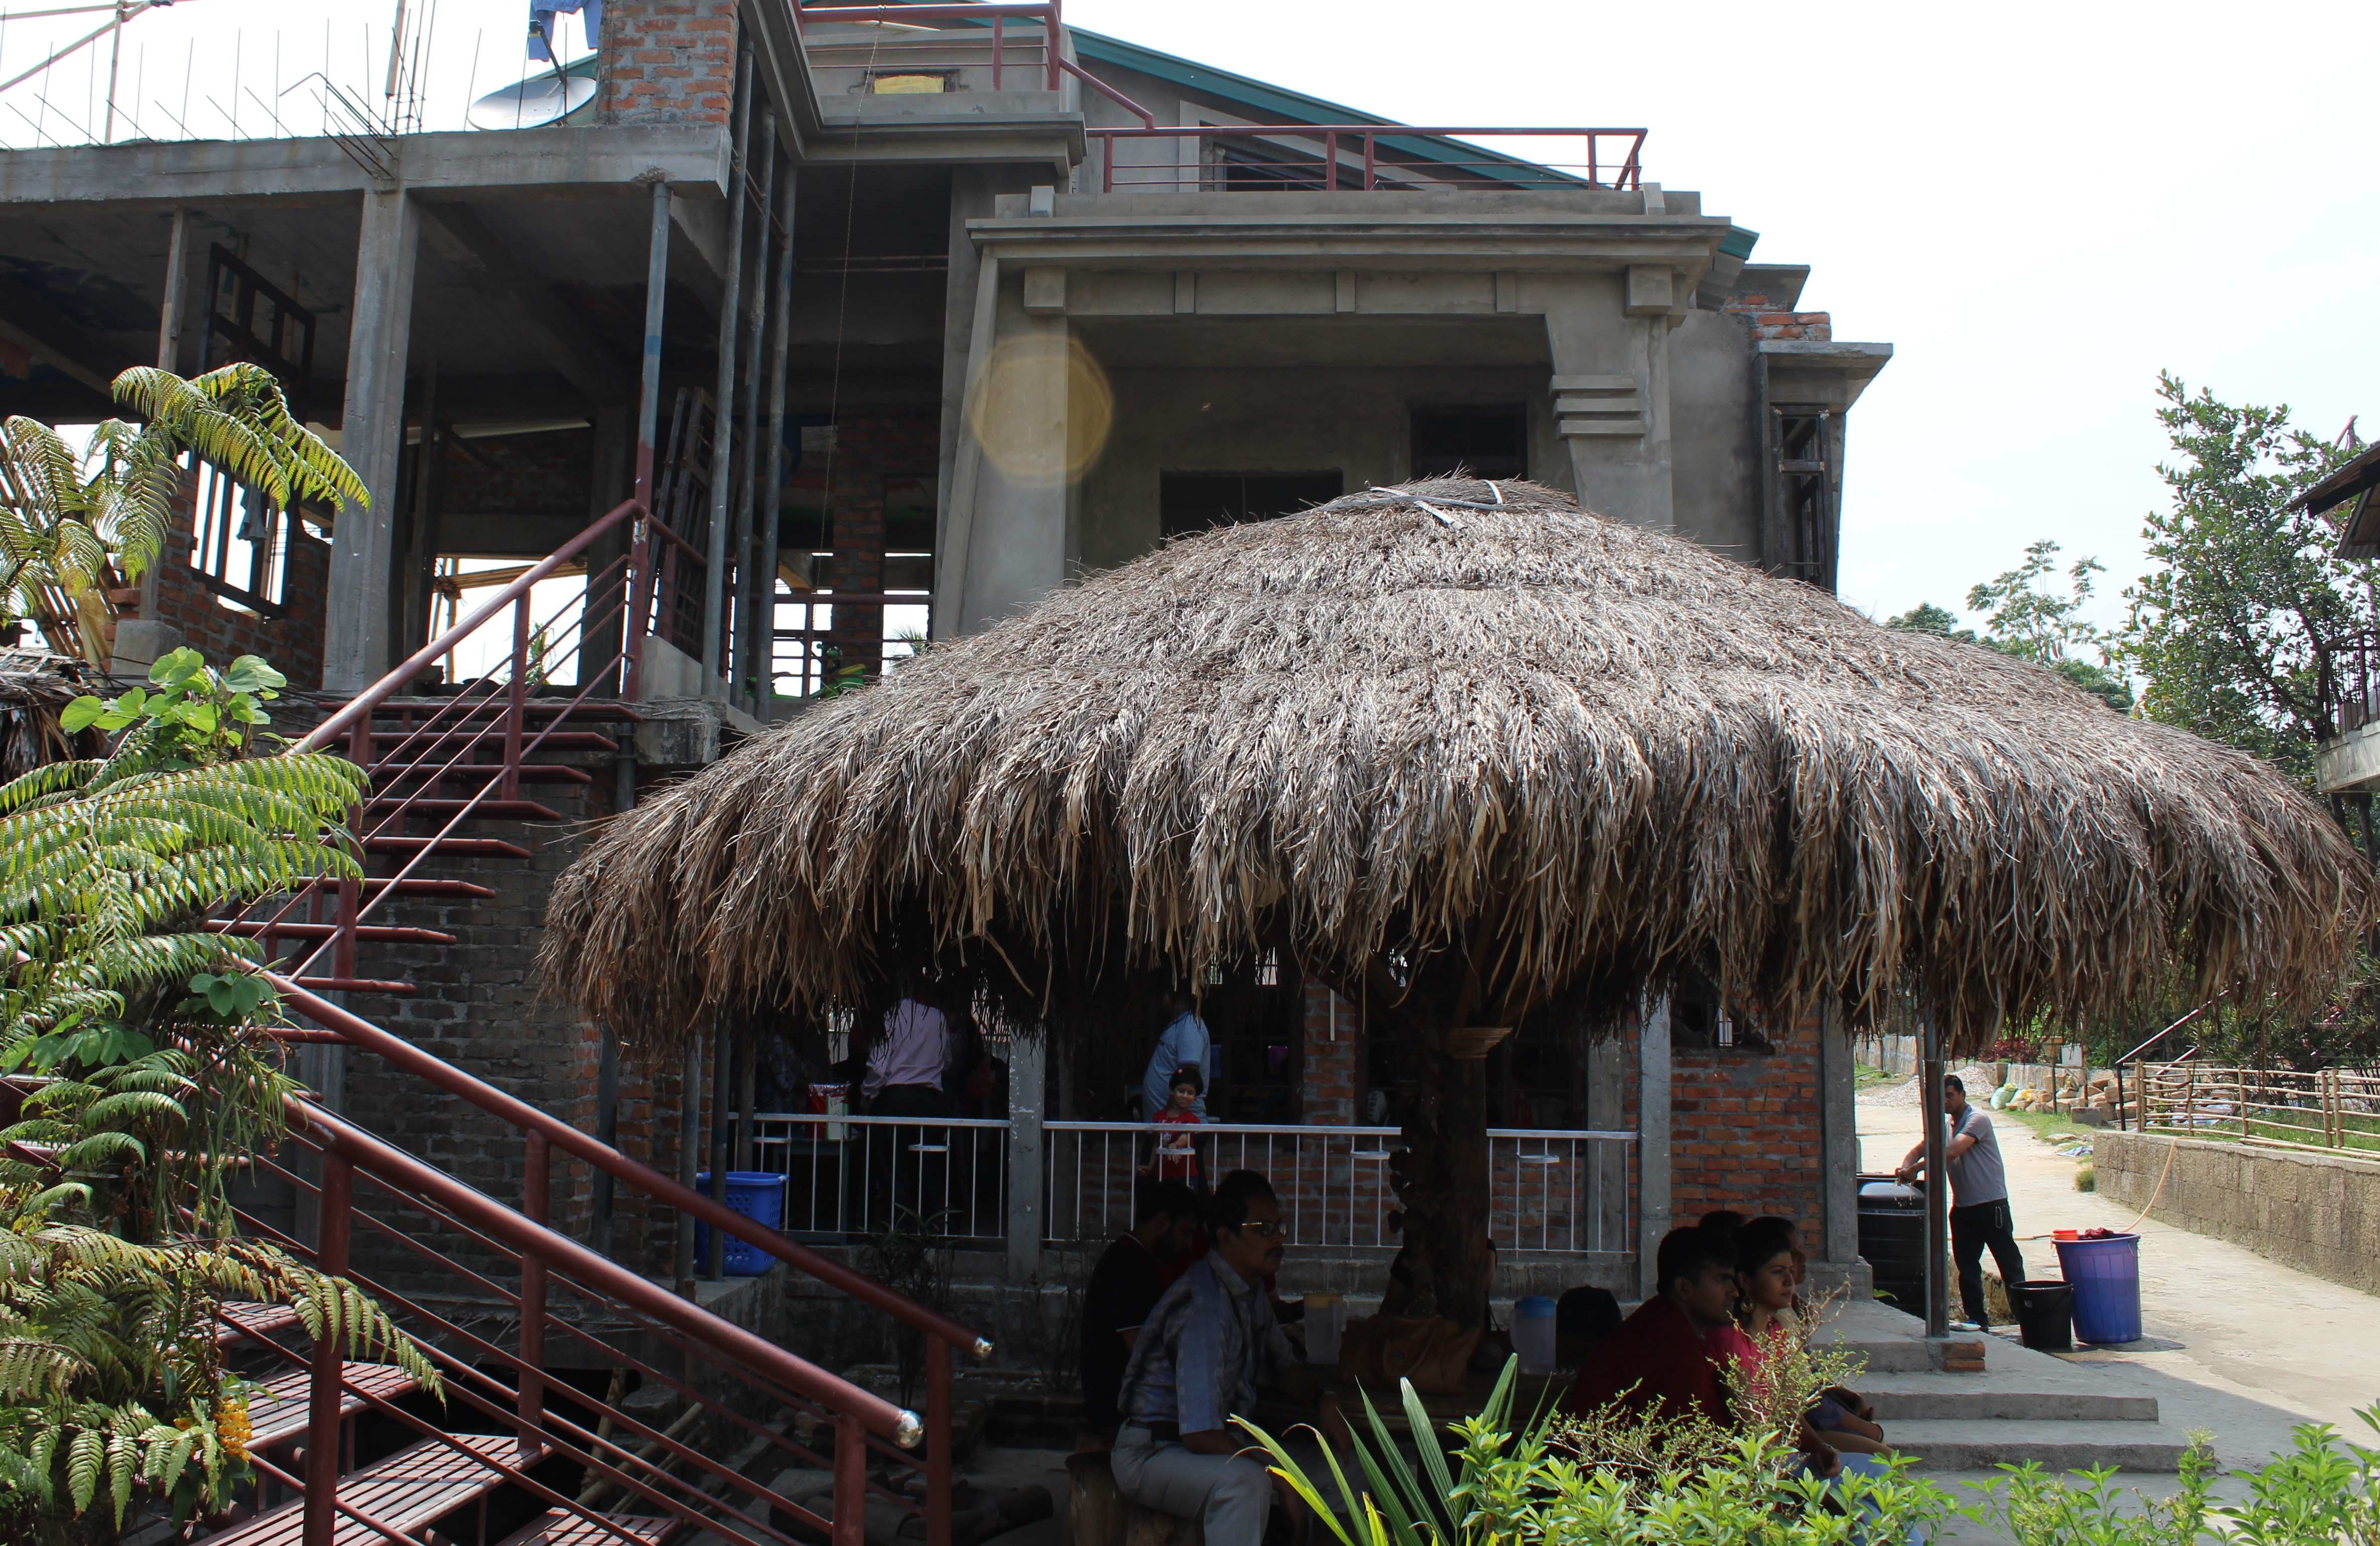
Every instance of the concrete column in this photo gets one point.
(1013, 462)
(1606, 1112)
(1025, 1162)
(1839, 1148)
(140, 641)
(1652, 1141)
(1608, 336)
(356, 640)
(608, 482)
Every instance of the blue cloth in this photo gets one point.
(1183, 1045)
(1205, 1351)
(540, 23)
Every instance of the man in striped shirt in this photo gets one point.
(1209, 1346)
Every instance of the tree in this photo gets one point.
(68, 521)
(2030, 623)
(2230, 628)
(161, 1082)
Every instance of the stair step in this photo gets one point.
(386, 773)
(383, 933)
(355, 985)
(453, 847)
(277, 1411)
(1956, 1396)
(415, 1487)
(1965, 1444)
(558, 1528)
(484, 810)
(245, 1321)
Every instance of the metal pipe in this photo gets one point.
(690, 1140)
(325, 1395)
(649, 407)
(723, 414)
(748, 576)
(537, 1181)
(938, 1444)
(722, 1076)
(1938, 1185)
(850, 1484)
(772, 504)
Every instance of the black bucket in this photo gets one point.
(2045, 1315)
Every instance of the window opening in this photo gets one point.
(1190, 501)
(1488, 442)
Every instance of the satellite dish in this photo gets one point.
(542, 99)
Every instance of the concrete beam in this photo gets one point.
(558, 161)
(29, 322)
(559, 334)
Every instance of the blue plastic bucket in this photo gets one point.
(2106, 1277)
(759, 1196)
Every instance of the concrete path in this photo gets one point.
(2236, 1346)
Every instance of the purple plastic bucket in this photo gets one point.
(2106, 1277)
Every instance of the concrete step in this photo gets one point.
(1964, 1398)
(1965, 1444)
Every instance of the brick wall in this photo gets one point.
(527, 475)
(1776, 322)
(874, 447)
(291, 644)
(668, 62)
(1744, 1131)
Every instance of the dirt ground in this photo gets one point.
(2215, 1315)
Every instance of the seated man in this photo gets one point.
(1659, 1358)
(1124, 1288)
(1207, 1348)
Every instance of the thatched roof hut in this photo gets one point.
(1475, 754)
(1573, 755)
(35, 686)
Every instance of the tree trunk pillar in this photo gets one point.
(1443, 1182)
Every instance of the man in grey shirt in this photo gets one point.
(1979, 1209)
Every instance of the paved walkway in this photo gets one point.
(2219, 1318)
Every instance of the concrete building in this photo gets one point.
(980, 302)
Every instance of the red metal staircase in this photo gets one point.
(692, 1415)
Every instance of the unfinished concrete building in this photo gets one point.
(895, 319)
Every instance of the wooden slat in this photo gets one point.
(558, 1528)
(411, 1489)
(278, 1411)
(261, 1320)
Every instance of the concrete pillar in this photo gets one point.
(1013, 461)
(1652, 1141)
(610, 480)
(355, 638)
(1839, 1150)
(1608, 336)
(1025, 1150)
(140, 641)
(1606, 1112)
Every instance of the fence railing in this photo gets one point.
(2324, 1108)
(1549, 1190)
(1359, 158)
(849, 1176)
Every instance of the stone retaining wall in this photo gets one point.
(2317, 1212)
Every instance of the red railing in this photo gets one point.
(1364, 158)
(865, 1424)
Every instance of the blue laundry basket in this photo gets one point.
(759, 1196)
(2106, 1277)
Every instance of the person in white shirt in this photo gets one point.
(908, 1068)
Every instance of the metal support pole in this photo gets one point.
(607, 1131)
(649, 408)
(750, 577)
(1938, 1186)
(723, 1057)
(937, 1441)
(747, 1102)
(722, 433)
(773, 498)
(326, 1395)
(536, 1193)
(850, 1522)
(517, 697)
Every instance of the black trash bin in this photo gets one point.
(2045, 1315)
(1892, 1239)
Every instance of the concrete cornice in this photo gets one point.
(458, 165)
(971, 139)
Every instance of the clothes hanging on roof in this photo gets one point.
(540, 23)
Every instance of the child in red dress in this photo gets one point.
(1177, 1151)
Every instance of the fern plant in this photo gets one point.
(140, 1043)
(69, 520)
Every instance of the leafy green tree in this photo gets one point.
(2246, 593)
(67, 520)
(2030, 623)
(158, 1081)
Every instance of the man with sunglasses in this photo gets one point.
(1210, 1344)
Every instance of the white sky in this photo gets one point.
(2038, 205)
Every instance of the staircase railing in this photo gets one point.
(545, 1261)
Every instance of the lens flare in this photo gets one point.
(1041, 409)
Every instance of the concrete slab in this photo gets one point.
(1965, 1444)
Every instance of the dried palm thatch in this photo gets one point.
(1569, 756)
(35, 686)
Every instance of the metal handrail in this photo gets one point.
(1626, 174)
(1259, 1130)
(359, 1033)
